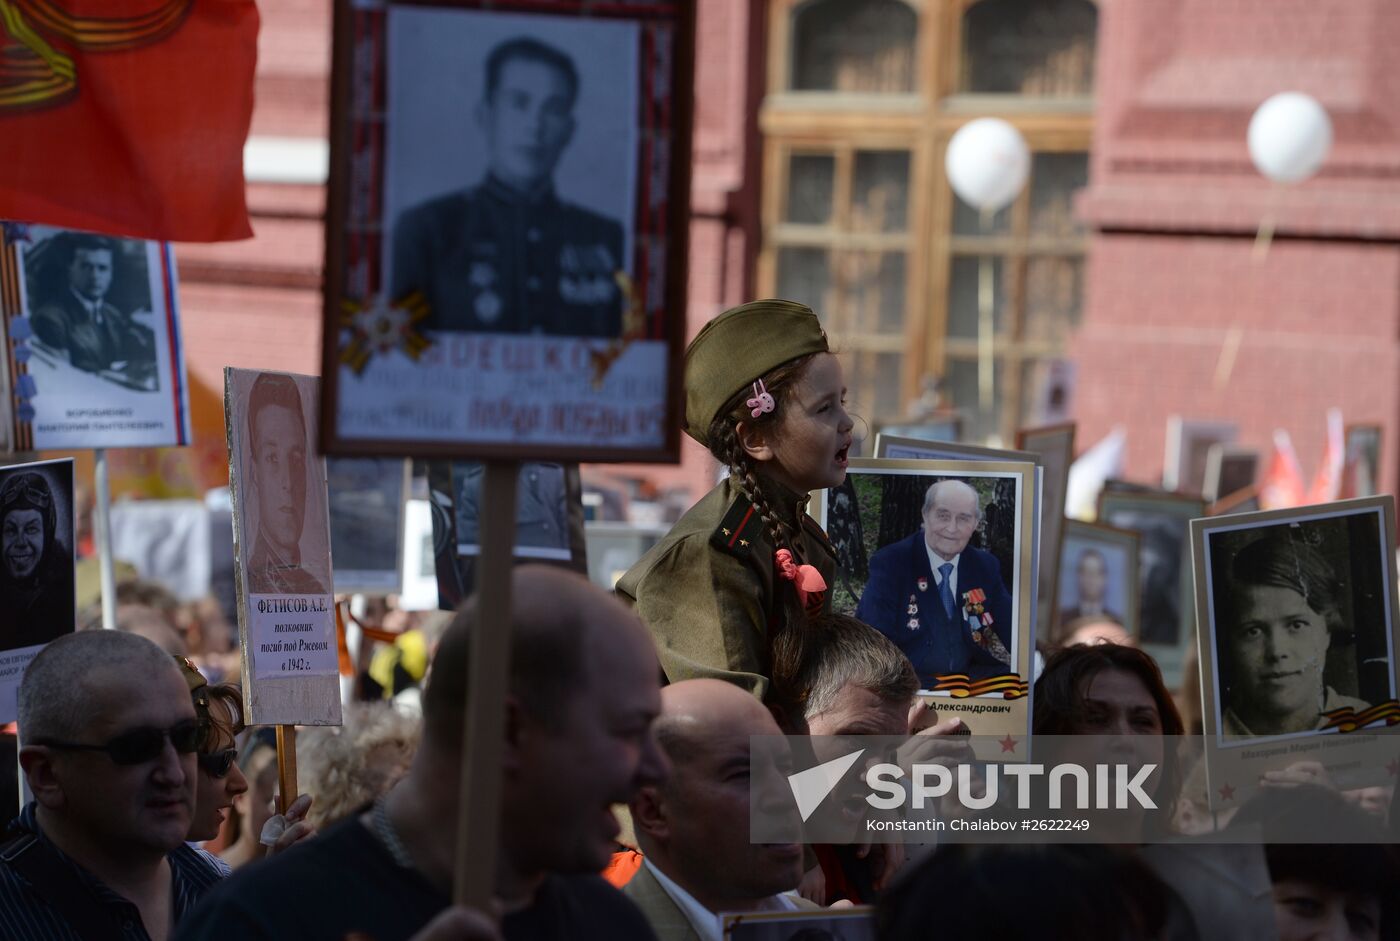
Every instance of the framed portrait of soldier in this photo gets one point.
(1097, 591)
(1298, 641)
(37, 600)
(1361, 467)
(1188, 446)
(94, 349)
(1166, 617)
(367, 498)
(507, 229)
(1229, 469)
(938, 557)
(549, 525)
(282, 543)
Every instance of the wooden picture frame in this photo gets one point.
(573, 350)
(1167, 616)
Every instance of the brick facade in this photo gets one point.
(1175, 283)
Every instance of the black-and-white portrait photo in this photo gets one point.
(1188, 447)
(366, 497)
(97, 356)
(510, 190)
(1097, 583)
(1300, 621)
(1164, 569)
(935, 562)
(1229, 469)
(90, 306)
(281, 487)
(36, 553)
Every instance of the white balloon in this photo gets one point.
(988, 163)
(1289, 137)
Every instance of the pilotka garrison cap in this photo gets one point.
(737, 348)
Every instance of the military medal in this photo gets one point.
(913, 624)
(923, 584)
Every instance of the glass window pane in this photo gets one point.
(804, 275)
(874, 291)
(811, 181)
(1054, 296)
(880, 195)
(874, 385)
(1055, 178)
(854, 46)
(1039, 48)
(963, 304)
(963, 391)
(968, 221)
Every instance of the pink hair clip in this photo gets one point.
(762, 402)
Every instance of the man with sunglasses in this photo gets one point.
(108, 738)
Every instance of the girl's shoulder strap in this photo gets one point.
(740, 530)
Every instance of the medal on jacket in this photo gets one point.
(974, 606)
(913, 611)
(923, 584)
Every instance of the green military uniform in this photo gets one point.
(707, 590)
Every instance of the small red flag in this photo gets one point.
(1282, 484)
(127, 116)
(1327, 485)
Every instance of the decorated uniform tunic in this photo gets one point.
(707, 591)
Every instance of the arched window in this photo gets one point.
(1034, 48)
(854, 46)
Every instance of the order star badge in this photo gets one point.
(377, 328)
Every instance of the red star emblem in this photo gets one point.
(1393, 767)
(1227, 793)
(1008, 743)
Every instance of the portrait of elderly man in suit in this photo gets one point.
(509, 254)
(277, 450)
(923, 592)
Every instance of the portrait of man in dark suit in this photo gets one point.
(1092, 586)
(277, 447)
(509, 254)
(924, 591)
(75, 316)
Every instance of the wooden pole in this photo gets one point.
(487, 682)
(103, 526)
(286, 767)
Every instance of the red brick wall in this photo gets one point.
(1174, 202)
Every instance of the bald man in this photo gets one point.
(583, 693)
(919, 588)
(693, 829)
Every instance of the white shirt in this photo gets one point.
(94, 307)
(934, 561)
(708, 925)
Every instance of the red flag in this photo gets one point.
(127, 116)
(1327, 485)
(1282, 484)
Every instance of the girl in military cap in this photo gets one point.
(728, 590)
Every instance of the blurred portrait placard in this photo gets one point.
(366, 505)
(1229, 469)
(282, 537)
(36, 567)
(548, 521)
(1166, 617)
(94, 347)
(1361, 468)
(1188, 446)
(937, 556)
(1297, 641)
(1054, 446)
(855, 923)
(507, 237)
(1098, 585)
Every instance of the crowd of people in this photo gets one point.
(629, 775)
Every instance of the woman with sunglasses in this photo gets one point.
(220, 779)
